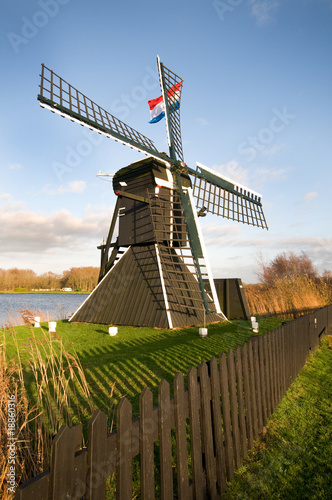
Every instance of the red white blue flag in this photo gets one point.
(157, 106)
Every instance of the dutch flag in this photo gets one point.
(157, 106)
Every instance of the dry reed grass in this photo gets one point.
(289, 296)
(52, 392)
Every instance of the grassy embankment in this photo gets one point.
(293, 459)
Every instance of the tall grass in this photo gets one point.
(50, 389)
(288, 296)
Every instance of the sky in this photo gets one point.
(256, 106)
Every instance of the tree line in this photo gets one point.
(76, 278)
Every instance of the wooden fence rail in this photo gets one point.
(210, 425)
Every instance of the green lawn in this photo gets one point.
(136, 357)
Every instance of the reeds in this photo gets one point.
(49, 389)
(288, 297)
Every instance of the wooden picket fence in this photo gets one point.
(211, 424)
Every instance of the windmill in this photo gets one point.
(155, 271)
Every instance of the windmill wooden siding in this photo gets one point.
(135, 224)
(216, 419)
(132, 294)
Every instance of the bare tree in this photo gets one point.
(286, 265)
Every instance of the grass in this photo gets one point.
(136, 358)
(293, 460)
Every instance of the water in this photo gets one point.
(51, 305)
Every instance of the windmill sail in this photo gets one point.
(62, 98)
(221, 196)
(168, 82)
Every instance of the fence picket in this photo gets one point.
(181, 437)
(283, 362)
(240, 398)
(267, 375)
(206, 430)
(124, 487)
(226, 413)
(234, 408)
(166, 476)
(257, 385)
(147, 428)
(97, 457)
(246, 387)
(252, 390)
(66, 443)
(279, 371)
(217, 426)
(195, 435)
(271, 374)
(274, 374)
(262, 379)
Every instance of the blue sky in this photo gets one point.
(256, 106)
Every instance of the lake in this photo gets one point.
(53, 306)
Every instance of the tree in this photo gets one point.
(80, 278)
(287, 265)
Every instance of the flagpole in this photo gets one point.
(167, 112)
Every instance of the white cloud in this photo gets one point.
(5, 196)
(15, 166)
(233, 170)
(202, 121)
(264, 175)
(310, 196)
(69, 187)
(28, 231)
(76, 186)
(263, 10)
(272, 151)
